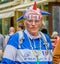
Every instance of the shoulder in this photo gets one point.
(13, 40)
(47, 38)
(14, 36)
(45, 35)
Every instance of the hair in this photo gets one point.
(55, 32)
(21, 25)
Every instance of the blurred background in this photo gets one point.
(10, 10)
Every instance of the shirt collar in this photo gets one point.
(32, 37)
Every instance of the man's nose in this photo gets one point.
(33, 22)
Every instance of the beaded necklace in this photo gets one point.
(36, 52)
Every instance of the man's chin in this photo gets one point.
(33, 33)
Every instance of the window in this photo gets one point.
(2, 0)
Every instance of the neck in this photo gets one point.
(34, 34)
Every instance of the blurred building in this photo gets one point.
(10, 10)
(54, 18)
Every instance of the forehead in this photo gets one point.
(11, 28)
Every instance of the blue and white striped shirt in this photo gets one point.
(25, 54)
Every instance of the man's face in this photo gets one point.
(33, 25)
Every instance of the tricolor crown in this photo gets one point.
(33, 11)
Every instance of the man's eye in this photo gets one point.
(36, 20)
(30, 20)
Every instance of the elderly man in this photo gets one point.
(29, 46)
